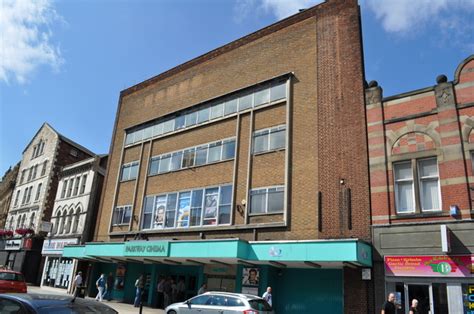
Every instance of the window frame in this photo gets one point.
(279, 188)
(266, 133)
(123, 209)
(128, 166)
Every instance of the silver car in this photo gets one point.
(221, 303)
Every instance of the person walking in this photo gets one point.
(139, 284)
(202, 289)
(160, 290)
(77, 284)
(181, 286)
(109, 287)
(267, 296)
(414, 307)
(100, 283)
(167, 291)
(389, 305)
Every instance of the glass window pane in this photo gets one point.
(428, 167)
(245, 102)
(429, 194)
(191, 118)
(127, 215)
(176, 160)
(160, 208)
(138, 136)
(257, 202)
(228, 149)
(217, 111)
(129, 139)
(147, 132)
(226, 195)
(260, 143)
(188, 157)
(403, 171)
(148, 212)
(277, 139)
(195, 216)
(168, 126)
(405, 197)
(230, 106)
(201, 155)
(275, 201)
(210, 206)
(169, 219)
(215, 152)
(224, 214)
(197, 198)
(262, 97)
(164, 164)
(179, 122)
(171, 201)
(171, 210)
(158, 129)
(184, 208)
(125, 173)
(203, 115)
(133, 171)
(278, 92)
(154, 164)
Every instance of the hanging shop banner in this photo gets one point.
(160, 207)
(210, 208)
(56, 246)
(430, 266)
(146, 248)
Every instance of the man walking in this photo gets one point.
(77, 284)
(100, 283)
(389, 305)
(139, 285)
(267, 296)
(160, 290)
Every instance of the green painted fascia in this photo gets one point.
(104, 249)
(364, 254)
(75, 251)
(205, 249)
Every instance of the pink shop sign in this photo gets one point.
(430, 266)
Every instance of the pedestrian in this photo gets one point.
(159, 289)
(139, 284)
(174, 291)
(167, 291)
(414, 307)
(389, 305)
(77, 284)
(100, 283)
(181, 290)
(109, 287)
(202, 289)
(267, 296)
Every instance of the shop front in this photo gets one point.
(19, 254)
(58, 271)
(440, 283)
(304, 275)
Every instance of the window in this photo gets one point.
(170, 210)
(17, 198)
(188, 157)
(30, 173)
(203, 115)
(215, 150)
(196, 208)
(38, 191)
(32, 220)
(262, 97)
(75, 223)
(168, 126)
(69, 221)
(69, 187)
(154, 165)
(83, 184)
(191, 118)
(157, 129)
(179, 122)
(122, 215)
(176, 160)
(22, 176)
(23, 200)
(129, 171)
(278, 92)
(228, 149)
(406, 199)
(63, 222)
(76, 185)
(43, 170)
(34, 151)
(28, 196)
(147, 132)
(210, 206)
(269, 139)
(267, 200)
(230, 106)
(9, 306)
(245, 102)
(184, 208)
(63, 192)
(201, 155)
(147, 212)
(217, 111)
(164, 163)
(35, 169)
(41, 150)
(225, 201)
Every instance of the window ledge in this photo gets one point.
(266, 214)
(269, 151)
(128, 180)
(439, 213)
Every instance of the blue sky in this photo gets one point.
(65, 62)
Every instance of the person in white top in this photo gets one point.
(202, 289)
(267, 296)
(77, 283)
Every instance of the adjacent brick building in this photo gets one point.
(421, 153)
(230, 160)
(7, 185)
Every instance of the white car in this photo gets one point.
(221, 303)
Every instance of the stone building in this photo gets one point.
(251, 158)
(33, 197)
(7, 185)
(73, 219)
(421, 152)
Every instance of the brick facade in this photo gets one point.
(7, 186)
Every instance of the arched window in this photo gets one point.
(75, 223)
(69, 221)
(62, 218)
(23, 219)
(32, 220)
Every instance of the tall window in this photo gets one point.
(69, 187)
(38, 191)
(269, 139)
(76, 185)
(267, 200)
(32, 220)
(28, 196)
(83, 184)
(75, 223)
(43, 170)
(69, 221)
(23, 200)
(122, 215)
(129, 171)
(417, 176)
(35, 169)
(63, 192)
(23, 172)
(17, 198)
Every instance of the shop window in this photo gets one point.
(417, 175)
(267, 200)
(122, 215)
(129, 171)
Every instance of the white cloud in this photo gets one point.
(407, 16)
(285, 8)
(25, 42)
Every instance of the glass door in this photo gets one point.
(421, 292)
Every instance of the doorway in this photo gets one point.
(421, 292)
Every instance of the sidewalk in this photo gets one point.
(122, 308)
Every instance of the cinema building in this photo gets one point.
(421, 149)
(244, 168)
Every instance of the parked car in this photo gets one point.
(221, 303)
(12, 281)
(22, 303)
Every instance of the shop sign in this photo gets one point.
(430, 266)
(146, 248)
(213, 269)
(13, 245)
(469, 302)
(56, 246)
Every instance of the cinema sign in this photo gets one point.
(146, 248)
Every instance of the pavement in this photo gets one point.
(122, 308)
